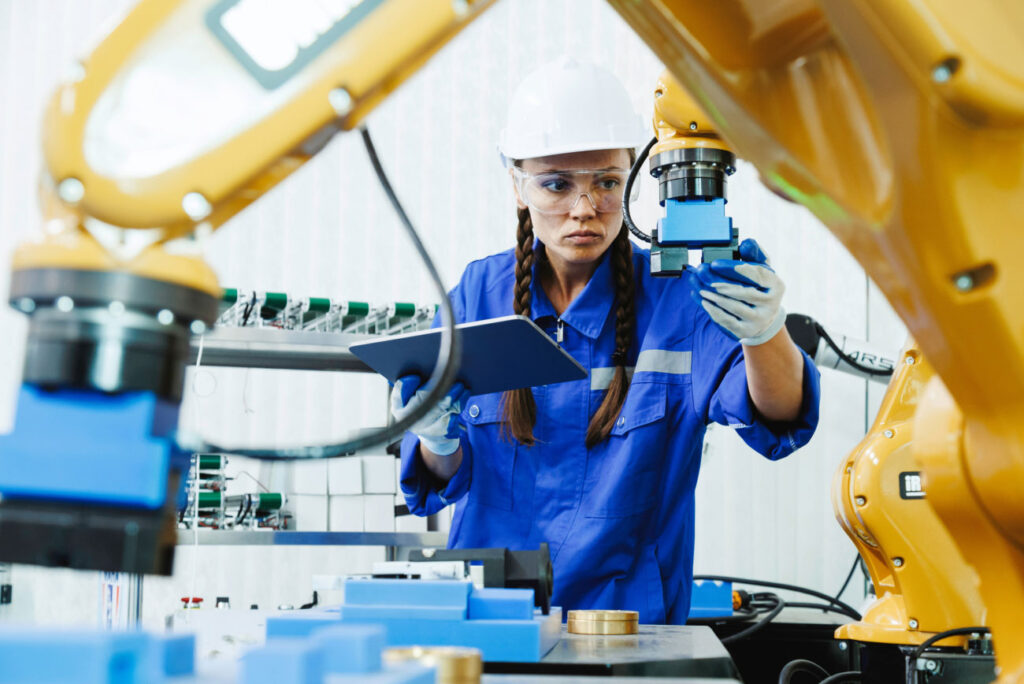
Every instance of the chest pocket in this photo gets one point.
(493, 457)
(623, 472)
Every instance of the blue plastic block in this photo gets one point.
(695, 223)
(501, 604)
(351, 648)
(711, 599)
(369, 592)
(431, 613)
(54, 657)
(88, 446)
(174, 654)
(524, 641)
(284, 661)
(299, 625)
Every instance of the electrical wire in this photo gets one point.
(919, 651)
(824, 607)
(849, 360)
(845, 608)
(842, 677)
(627, 217)
(443, 377)
(795, 667)
(759, 625)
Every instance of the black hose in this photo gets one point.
(627, 217)
(757, 626)
(849, 576)
(846, 357)
(824, 607)
(845, 608)
(842, 677)
(449, 356)
(795, 667)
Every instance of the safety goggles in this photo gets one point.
(558, 192)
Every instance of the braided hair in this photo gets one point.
(520, 408)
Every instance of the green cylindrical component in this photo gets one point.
(211, 461)
(229, 295)
(358, 308)
(319, 304)
(405, 309)
(209, 500)
(275, 300)
(270, 501)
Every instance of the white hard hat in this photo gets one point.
(569, 106)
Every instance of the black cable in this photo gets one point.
(443, 377)
(795, 667)
(627, 217)
(248, 507)
(849, 576)
(846, 357)
(818, 606)
(247, 311)
(846, 609)
(842, 677)
(757, 626)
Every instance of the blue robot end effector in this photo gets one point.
(691, 187)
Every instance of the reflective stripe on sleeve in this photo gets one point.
(649, 361)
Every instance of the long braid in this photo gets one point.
(625, 323)
(520, 408)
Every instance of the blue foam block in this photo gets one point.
(432, 613)
(351, 648)
(174, 654)
(61, 447)
(395, 592)
(54, 657)
(711, 599)
(284, 661)
(300, 624)
(501, 604)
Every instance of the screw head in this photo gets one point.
(861, 500)
(913, 623)
(898, 562)
(196, 206)
(693, 125)
(340, 101)
(197, 327)
(428, 553)
(165, 317)
(843, 646)
(65, 304)
(26, 305)
(889, 434)
(931, 665)
(71, 190)
(909, 360)
(964, 283)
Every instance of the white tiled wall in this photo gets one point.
(328, 230)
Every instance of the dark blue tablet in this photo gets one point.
(498, 354)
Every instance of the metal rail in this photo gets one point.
(282, 349)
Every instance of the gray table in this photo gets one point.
(657, 651)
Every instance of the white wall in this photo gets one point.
(329, 231)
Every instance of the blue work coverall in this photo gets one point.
(619, 517)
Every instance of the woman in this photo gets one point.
(603, 469)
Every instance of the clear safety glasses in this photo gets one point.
(557, 192)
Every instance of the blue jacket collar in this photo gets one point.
(588, 313)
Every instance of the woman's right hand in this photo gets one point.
(439, 429)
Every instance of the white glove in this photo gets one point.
(743, 297)
(439, 429)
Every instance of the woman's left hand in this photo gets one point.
(742, 296)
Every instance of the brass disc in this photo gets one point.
(603, 621)
(454, 665)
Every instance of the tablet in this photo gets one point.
(498, 354)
